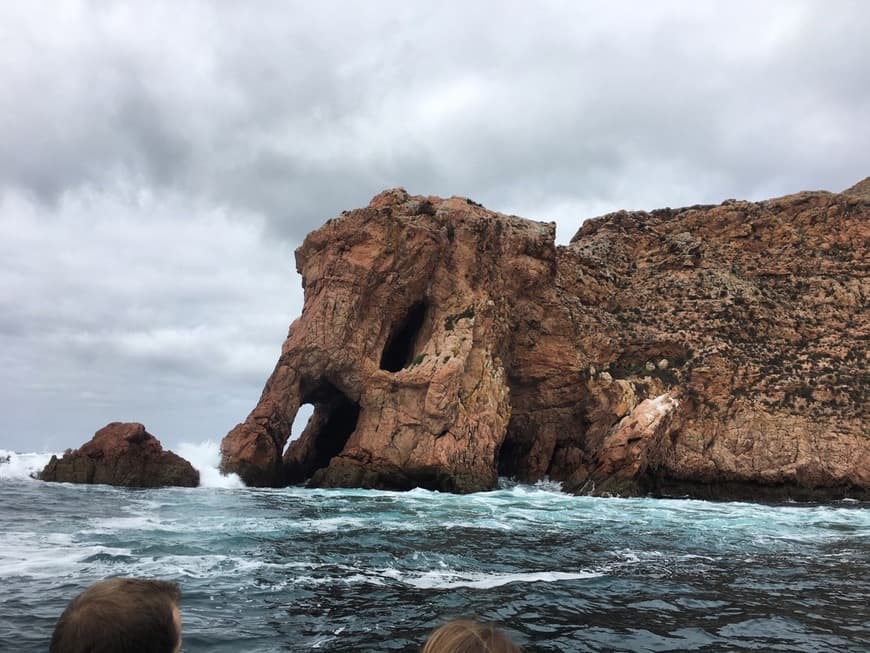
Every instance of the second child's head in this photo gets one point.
(469, 636)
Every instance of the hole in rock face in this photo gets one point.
(519, 437)
(333, 421)
(512, 454)
(399, 350)
(508, 459)
(339, 422)
(300, 423)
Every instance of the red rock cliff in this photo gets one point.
(715, 351)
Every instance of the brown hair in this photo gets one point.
(468, 636)
(133, 615)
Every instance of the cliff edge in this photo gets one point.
(711, 351)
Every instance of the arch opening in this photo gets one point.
(401, 345)
(331, 424)
(300, 423)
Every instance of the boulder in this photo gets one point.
(715, 351)
(123, 454)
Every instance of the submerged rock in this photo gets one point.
(122, 454)
(715, 351)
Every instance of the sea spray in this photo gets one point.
(22, 466)
(205, 458)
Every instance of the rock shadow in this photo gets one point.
(333, 422)
(401, 345)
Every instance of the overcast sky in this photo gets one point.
(160, 161)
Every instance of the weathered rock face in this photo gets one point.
(716, 351)
(122, 454)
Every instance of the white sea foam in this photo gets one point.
(439, 578)
(110, 525)
(21, 466)
(449, 579)
(336, 524)
(205, 458)
(547, 485)
(320, 643)
(48, 555)
(522, 489)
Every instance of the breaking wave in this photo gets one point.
(22, 466)
(205, 458)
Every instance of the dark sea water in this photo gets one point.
(353, 570)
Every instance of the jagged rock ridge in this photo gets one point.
(716, 351)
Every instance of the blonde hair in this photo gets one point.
(469, 636)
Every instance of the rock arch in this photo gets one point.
(333, 422)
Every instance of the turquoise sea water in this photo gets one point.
(354, 570)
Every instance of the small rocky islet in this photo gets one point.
(711, 351)
(122, 454)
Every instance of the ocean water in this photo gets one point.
(353, 570)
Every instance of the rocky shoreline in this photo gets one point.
(709, 351)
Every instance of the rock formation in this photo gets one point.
(122, 454)
(713, 351)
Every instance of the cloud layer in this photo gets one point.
(161, 161)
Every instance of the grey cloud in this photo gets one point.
(331, 103)
(161, 161)
(113, 309)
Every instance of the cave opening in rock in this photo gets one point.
(513, 451)
(399, 351)
(328, 429)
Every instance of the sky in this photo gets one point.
(160, 161)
